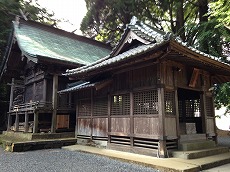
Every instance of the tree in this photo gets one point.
(220, 11)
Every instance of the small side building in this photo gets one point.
(36, 57)
(150, 94)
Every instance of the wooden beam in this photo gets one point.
(194, 77)
(54, 103)
(103, 84)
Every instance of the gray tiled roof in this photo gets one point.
(157, 38)
(36, 40)
(78, 87)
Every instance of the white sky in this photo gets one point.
(72, 10)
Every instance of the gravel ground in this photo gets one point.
(224, 141)
(59, 160)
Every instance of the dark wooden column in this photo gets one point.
(26, 125)
(175, 85)
(35, 127)
(11, 94)
(44, 89)
(162, 152)
(54, 103)
(9, 123)
(162, 138)
(91, 116)
(16, 121)
(109, 118)
(131, 119)
(76, 126)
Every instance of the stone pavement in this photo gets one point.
(163, 164)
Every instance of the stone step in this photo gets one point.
(211, 161)
(197, 145)
(37, 144)
(199, 153)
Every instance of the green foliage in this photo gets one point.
(222, 97)
(221, 11)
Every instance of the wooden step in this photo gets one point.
(199, 153)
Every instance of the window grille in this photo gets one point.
(169, 103)
(84, 107)
(192, 108)
(209, 106)
(146, 103)
(120, 104)
(100, 106)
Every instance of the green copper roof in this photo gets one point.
(37, 40)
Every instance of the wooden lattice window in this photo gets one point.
(100, 106)
(146, 103)
(192, 108)
(120, 104)
(169, 102)
(209, 107)
(84, 107)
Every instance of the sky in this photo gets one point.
(72, 10)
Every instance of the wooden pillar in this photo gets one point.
(16, 122)
(9, 123)
(76, 126)
(203, 112)
(91, 116)
(35, 127)
(34, 91)
(162, 138)
(54, 102)
(176, 102)
(26, 125)
(11, 94)
(44, 89)
(131, 119)
(109, 118)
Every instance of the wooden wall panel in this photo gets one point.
(168, 75)
(146, 126)
(29, 93)
(62, 121)
(84, 126)
(170, 126)
(100, 127)
(120, 125)
(39, 91)
(210, 125)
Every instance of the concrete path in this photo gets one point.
(163, 164)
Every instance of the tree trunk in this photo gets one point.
(180, 30)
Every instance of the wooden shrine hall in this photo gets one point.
(35, 59)
(150, 94)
